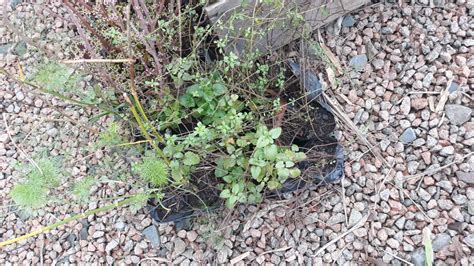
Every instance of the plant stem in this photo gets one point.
(143, 129)
(67, 220)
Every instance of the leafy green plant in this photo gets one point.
(153, 170)
(82, 188)
(189, 119)
(40, 177)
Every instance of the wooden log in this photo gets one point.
(266, 27)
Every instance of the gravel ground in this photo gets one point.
(375, 215)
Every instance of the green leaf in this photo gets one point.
(187, 101)
(270, 152)
(283, 172)
(262, 142)
(289, 164)
(219, 89)
(275, 132)
(272, 184)
(191, 158)
(225, 194)
(230, 203)
(295, 172)
(279, 165)
(219, 172)
(236, 188)
(255, 171)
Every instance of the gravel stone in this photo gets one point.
(446, 151)
(354, 217)
(179, 246)
(348, 21)
(358, 62)
(469, 240)
(458, 114)
(408, 136)
(151, 233)
(110, 246)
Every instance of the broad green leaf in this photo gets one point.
(270, 152)
(187, 101)
(272, 184)
(255, 171)
(283, 172)
(289, 164)
(219, 89)
(219, 172)
(191, 158)
(225, 194)
(275, 132)
(295, 172)
(235, 188)
(280, 164)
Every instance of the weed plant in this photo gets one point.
(189, 104)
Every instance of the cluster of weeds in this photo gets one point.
(188, 105)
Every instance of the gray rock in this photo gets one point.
(405, 106)
(468, 42)
(457, 114)
(4, 47)
(223, 254)
(459, 199)
(348, 21)
(388, 30)
(14, 3)
(358, 62)
(418, 257)
(152, 234)
(470, 207)
(441, 241)
(354, 217)
(453, 87)
(336, 219)
(408, 136)
(446, 185)
(400, 223)
(427, 80)
(446, 151)
(469, 240)
(445, 204)
(434, 54)
(111, 245)
(412, 166)
(119, 225)
(378, 64)
(52, 132)
(179, 246)
(465, 177)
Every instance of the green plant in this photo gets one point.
(40, 177)
(153, 170)
(188, 119)
(81, 189)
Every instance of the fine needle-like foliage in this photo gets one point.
(152, 170)
(82, 188)
(32, 194)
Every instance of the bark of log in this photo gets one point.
(279, 24)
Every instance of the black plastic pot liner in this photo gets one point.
(324, 138)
